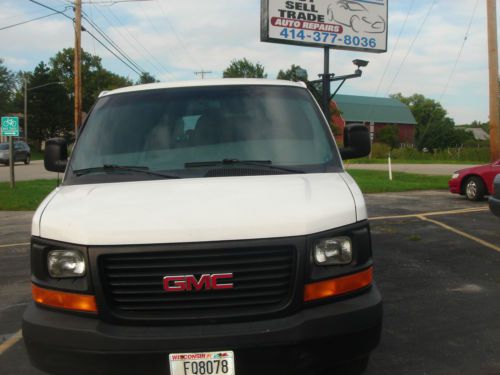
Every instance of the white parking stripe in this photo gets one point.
(11, 342)
(14, 245)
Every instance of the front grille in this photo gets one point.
(262, 278)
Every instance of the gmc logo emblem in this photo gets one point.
(190, 282)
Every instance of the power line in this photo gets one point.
(114, 54)
(466, 36)
(158, 62)
(181, 42)
(126, 40)
(395, 47)
(52, 9)
(28, 21)
(412, 44)
(112, 43)
(92, 35)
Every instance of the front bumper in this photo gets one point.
(454, 185)
(316, 337)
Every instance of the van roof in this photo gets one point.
(204, 83)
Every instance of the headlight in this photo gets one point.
(454, 175)
(333, 251)
(66, 263)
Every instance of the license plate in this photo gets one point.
(206, 363)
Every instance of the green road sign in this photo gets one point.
(10, 126)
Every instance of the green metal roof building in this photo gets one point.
(380, 111)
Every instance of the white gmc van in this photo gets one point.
(204, 228)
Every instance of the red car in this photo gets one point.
(475, 182)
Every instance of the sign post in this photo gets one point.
(10, 128)
(355, 25)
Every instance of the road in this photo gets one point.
(430, 169)
(32, 171)
(437, 261)
(35, 170)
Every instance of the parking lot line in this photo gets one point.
(435, 213)
(11, 342)
(14, 245)
(459, 232)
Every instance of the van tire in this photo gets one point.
(27, 160)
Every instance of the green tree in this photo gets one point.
(389, 135)
(146, 78)
(434, 130)
(295, 73)
(244, 69)
(50, 110)
(95, 78)
(7, 88)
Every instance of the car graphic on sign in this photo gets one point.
(355, 15)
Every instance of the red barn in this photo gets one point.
(373, 110)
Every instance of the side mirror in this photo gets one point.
(357, 143)
(56, 155)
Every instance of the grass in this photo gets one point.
(27, 195)
(378, 181)
(412, 161)
(36, 155)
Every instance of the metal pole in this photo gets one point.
(493, 78)
(77, 65)
(25, 110)
(326, 84)
(11, 163)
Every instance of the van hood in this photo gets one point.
(199, 210)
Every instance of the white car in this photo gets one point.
(355, 15)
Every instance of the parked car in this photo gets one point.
(202, 227)
(495, 197)
(474, 182)
(22, 152)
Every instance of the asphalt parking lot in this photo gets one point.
(437, 265)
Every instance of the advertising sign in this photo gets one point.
(359, 25)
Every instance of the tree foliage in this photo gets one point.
(50, 108)
(7, 87)
(295, 73)
(95, 78)
(389, 135)
(244, 69)
(434, 130)
(146, 78)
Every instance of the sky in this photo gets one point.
(173, 39)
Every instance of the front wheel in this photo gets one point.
(474, 189)
(27, 160)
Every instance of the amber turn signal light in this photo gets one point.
(63, 300)
(338, 286)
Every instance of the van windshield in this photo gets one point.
(189, 132)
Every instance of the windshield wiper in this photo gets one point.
(253, 163)
(110, 168)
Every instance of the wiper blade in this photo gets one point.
(253, 163)
(110, 168)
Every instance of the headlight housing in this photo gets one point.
(455, 175)
(66, 263)
(333, 251)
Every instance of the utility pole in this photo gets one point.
(202, 73)
(25, 109)
(77, 65)
(494, 91)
